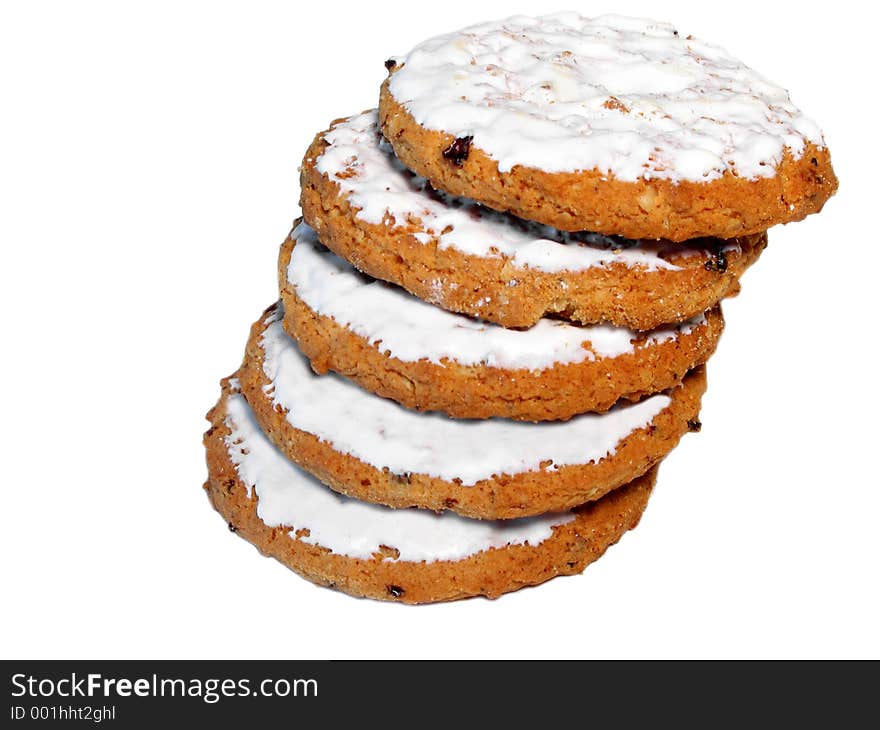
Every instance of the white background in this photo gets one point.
(148, 174)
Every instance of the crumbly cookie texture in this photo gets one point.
(614, 125)
(375, 450)
(468, 259)
(426, 358)
(283, 512)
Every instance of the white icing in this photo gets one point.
(384, 434)
(383, 192)
(409, 329)
(288, 496)
(541, 92)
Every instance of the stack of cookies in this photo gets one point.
(497, 308)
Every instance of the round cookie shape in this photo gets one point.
(466, 258)
(427, 358)
(609, 124)
(376, 450)
(408, 556)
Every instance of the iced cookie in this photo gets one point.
(611, 124)
(426, 358)
(410, 556)
(467, 258)
(373, 449)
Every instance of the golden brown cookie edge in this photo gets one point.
(622, 295)
(480, 391)
(595, 201)
(491, 573)
(500, 497)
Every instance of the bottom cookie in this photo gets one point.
(405, 555)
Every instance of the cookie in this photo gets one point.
(426, 358)
(610, 124)
(408, 556)
(376, 450)
(466, 258)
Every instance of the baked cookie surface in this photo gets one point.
(427, 358)
(376, 450)
(610, 124)
(466, 258)
(409, 556)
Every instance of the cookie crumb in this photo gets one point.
(459, 150)
(612, 102)
(387, 552)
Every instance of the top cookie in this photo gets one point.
(610, 124)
